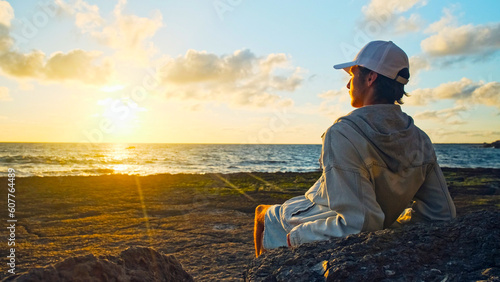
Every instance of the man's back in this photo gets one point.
(400, 160)
(369, 178)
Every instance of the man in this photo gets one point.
(375, 162)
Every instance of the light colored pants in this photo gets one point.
(274, 234)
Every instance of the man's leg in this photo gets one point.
(258, 231)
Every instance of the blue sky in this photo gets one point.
(235, 71)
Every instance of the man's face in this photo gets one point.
(357, 87)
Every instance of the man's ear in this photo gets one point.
(371, 77)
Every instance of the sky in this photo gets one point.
(236, 71)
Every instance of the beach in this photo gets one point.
(204, 220)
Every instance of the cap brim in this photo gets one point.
(344, 65)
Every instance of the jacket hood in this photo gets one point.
(399, 142)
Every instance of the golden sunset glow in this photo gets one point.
(163, 72)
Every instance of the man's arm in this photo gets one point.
(347, 190)
(352, 197)
(433, 200)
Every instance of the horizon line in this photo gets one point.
(196, 143)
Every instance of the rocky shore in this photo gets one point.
(466, 249)
(205, 223)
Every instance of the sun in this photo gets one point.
(121, 116)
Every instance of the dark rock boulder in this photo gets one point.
(465, 249)
(495, 145)
(133, 264)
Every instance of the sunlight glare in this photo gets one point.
(121, 115)
(112, 88)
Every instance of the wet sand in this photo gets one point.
(205, 221)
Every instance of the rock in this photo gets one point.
(464, 249)
(321, 267)
(495, 144)
(133, 264)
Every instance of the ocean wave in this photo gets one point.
(146, 159)
(261, 162)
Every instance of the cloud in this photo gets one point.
(4, 94)
(488, 94)
(449, 116)
(464, 91)
(419, 97)
(128, 34)
(418, 63)
(388, 15)
(201, 66)
(6, 16)
(78, 65)
(448, 39)
(449, 134)
(22, 65)
(240, 78)
(330, 94)
(334, 109)
(448, 19)
(6, 13)
(410, 24)
(334, 104)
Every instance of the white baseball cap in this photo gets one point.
(383, 57)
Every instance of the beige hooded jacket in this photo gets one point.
(375, 163)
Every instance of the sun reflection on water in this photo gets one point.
(118, 156)
(119, 152)
(119, 168)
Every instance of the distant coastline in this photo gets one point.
(495, 145)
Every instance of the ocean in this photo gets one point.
(77, 159)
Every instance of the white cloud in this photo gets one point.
(464, 91)
(240, 78)
(6, 13)
(4, 94)
(6, 16)
(418, 63)
(334, 104)
(450, 39)
(448, 19)
(411, 24)
(330, 94)
(334, 109)
(387, 14)
(449, 134)
(418, 97)
(78, 65)
(128, 34)
(22, 65)
(450, 116)
(488, 94)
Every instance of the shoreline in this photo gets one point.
(204, 220)
(468, 169)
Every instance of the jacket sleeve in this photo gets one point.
(433, 200)
(347, 190)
